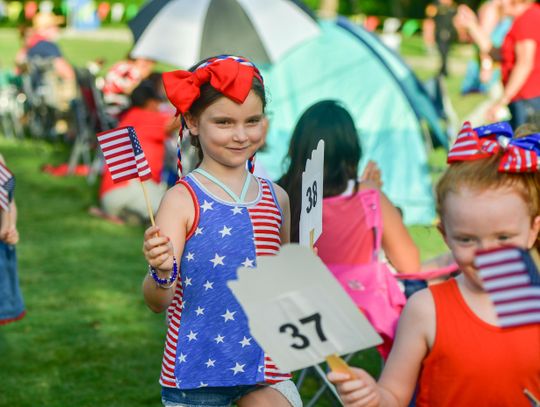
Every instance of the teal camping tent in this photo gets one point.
(348, 64)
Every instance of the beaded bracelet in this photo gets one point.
(164, 282)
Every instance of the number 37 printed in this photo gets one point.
(301, 341)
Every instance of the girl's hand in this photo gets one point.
(158, 250)
(372, 176)
(358, 391)
(495, 112)
(465, 17)
(9, 235)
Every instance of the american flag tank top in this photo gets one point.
(208, 343)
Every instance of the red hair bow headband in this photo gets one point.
(520, 154)
(230, 75)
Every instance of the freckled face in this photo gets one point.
(474, 219)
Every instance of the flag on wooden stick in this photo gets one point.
(124, 155)
(7, 187)
(510, 276)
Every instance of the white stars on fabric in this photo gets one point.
(228, 316)
(238, 368)
(209, 285)
(202, 384)
(207, 206)
(217, 260)
(236, 210)
(210, 363)
(245, 342)
(248, 263)
(219, 338)
(198, 231)
(192, 336)
(190, 256)
(199, 311)
(225, 231)
(182, 358)
(187, 282)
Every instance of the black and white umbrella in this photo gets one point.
(182, 32)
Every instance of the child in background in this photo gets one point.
(122, 79)
(11, 301)
(448, 339)
(124, 200)
(357, 217)
(217, 218)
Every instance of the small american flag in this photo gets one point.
(510, 276)
(123, 154)
(7, 187)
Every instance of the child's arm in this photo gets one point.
(397, 243)
(8, 229)
(414, 337)
(173, 221)
(8, 226)
(283, 200)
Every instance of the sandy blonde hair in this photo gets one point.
(484, 174)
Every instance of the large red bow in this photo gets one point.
(520, 154)
(228, 76)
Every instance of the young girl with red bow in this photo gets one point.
(214, 220)
(448, 340)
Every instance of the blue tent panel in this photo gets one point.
(338, 65)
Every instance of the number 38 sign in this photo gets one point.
(297, 310)
(312, 193)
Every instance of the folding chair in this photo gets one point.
(41, 115)
(90, 118)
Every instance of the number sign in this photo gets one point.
(297, 310)
(312, 193)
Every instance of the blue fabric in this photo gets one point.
(11, 301)
(215, 347)
(523, 110)
(208, 396)
(383, 96)
(44, 49)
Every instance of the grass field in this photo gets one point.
(88, 338)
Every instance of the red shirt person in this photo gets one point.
(153, 128)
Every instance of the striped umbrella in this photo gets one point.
(182, 32)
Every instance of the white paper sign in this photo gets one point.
(312, 197)
(297, 310)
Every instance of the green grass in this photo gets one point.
(88, 338)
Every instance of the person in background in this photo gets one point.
(442, 14)
(358, 218)
(482, 75)
(41, 43)
(519, 56)
(121, 79)
(449, 343)
(125, 200)
(11, 300)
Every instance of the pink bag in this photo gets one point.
(376, 292)
(372, 286)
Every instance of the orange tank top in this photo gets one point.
(473, 363)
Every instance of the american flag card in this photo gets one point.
(7, 187)
(123, 154)
(510, 276)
